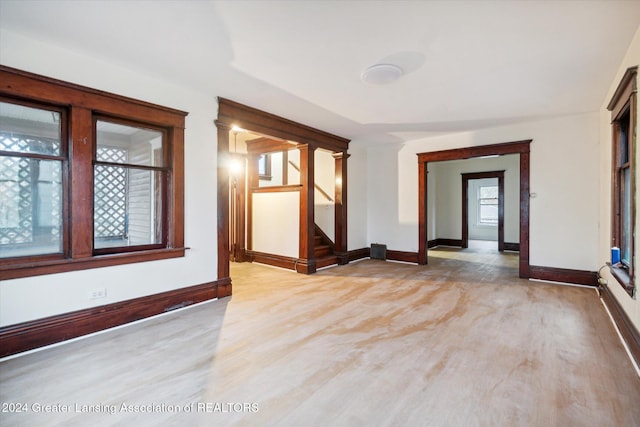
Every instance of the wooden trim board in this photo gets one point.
(50, 330)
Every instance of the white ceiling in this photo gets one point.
(468, 64)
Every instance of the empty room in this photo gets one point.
(350, 213)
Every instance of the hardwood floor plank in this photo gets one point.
(461, 341)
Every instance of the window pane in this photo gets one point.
(625, 220)
(127, 206)
(29, 130)
(118, 143)
(488, 214)
(30, 206)
(489, 192)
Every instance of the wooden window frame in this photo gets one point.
(81, 106)
(623, 107)
(62, 157)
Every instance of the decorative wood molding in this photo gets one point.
(628, 331)
(277, 189)
(64, 265)
(306, 266)
(281, 261)
(79, 106)
(224, 158)
(50, 330)
(326, 261)
(564, 275)
(306, 243)
(518, 147)
(357, 254)
(18, 82)
(432, 243)
(515, 247)
(624, 103)
(268, 145)
(275, 128)
(340, 207)
(231, 112)
(627, 86)
(457, 243)
(402, 256)
(224, 287)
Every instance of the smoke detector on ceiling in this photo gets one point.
(381, 74)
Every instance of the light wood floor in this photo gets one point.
(461, 342)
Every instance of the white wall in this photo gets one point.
(276, 223)
(631, 306)
(564, 158)
(41, 296)
(448, 209)
(357, 176)
(325, 178)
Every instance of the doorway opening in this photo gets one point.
(276, 135)
(522, 149)
(483, 209)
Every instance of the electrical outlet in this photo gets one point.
(98, 293)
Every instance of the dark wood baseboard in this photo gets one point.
(402, 256)
(515, 247)
(50, 330)
(628, 331)
(224, 287)
(357, 254)
(275, 260)
(327, 261)
(304, 266)
(578, 277)
(444, 242)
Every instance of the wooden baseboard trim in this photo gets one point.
(224, 287)
(357, 254)
(50, 330)
(281, 261)
(512, 247)
(577, 277)
(402, 256)
(444, 242)
(628, 331)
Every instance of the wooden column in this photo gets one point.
(224, 157)
(307, 262)
(341, 207)
(524, 214)
(252, 183)
(81, 193)
(422, 212)
(238, 250)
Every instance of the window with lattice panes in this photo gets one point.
(87, 178)
(31, 180)
(110, 197)
(129, 173)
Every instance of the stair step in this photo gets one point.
(318, 240)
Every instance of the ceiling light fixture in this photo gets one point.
(381, 74)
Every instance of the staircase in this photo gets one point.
(323, 249)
